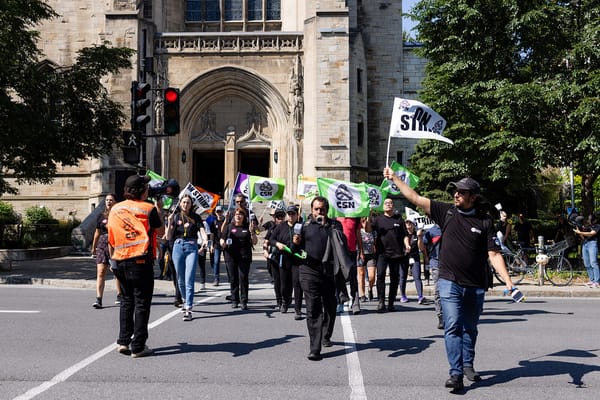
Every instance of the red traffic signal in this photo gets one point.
(171, 111)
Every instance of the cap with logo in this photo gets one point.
(467, 183)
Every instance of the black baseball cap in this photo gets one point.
(467, 183)
(292, 209)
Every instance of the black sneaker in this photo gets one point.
(314, 357)
(119, 300)
(440, 322)
(471, 374)
(327, 343)
(298, 316)
(381, 307)
(98, 303)
(178, 302)
(455, 382)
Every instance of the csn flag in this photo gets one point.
(404, 174)
(265, 189)
(376, 196)
(413, 119)
(346, 199)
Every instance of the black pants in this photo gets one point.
(298, 292)
(239, 283)
(137, 286)
(394, 264)
(319, 295)
(282, 281)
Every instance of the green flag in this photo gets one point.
(376, 196)
(404, 174)
(265, 189)
(346, 199)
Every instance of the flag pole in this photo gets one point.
(387, 159)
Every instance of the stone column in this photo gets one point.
(230, 160)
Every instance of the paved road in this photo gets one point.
(55, 346)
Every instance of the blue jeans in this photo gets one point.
(461, 308)
(185, 256)
(216, 263)
(589, 253)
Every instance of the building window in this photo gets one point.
(202, 10)
(400, 157)
(147, 9)
(233, 10)
(254, 10)
(360, 133)
(359, 78)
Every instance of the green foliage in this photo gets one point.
(51, 115)
(39, 215)
(518, 83)
(7, 214)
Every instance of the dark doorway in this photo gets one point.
(120, 178)
(254, 162)
(209, 166)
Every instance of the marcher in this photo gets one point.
(504, 231)
(392, 248)
(204, 244)
(182, 229)
(100, 251)
(317, 276)
(133, 254)
(281, 271)
(282, 235)
(468, 240)
(429, 243)
(237, 241)
(216, 249)
(351, 227)
(367, 264)
(589, 249)
(414, 263)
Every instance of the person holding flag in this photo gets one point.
(468, 240)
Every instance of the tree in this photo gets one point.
(518, 83)
(51, 115)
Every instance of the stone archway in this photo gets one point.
(231, 109)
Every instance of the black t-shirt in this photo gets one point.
(187, 226)
(465, 243)
(391, 232)
(241, 242)
(283, 233)
(314, 238)
(101, 222)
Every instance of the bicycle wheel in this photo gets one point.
(559, 271)
(516, 268)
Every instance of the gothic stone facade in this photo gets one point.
(268, 87)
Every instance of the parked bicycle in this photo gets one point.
(556, 266)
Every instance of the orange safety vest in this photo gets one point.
(128, 226)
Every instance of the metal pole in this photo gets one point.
(572, 181)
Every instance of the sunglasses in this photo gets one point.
(462, 192)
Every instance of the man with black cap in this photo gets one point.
(468, 239)
(132, 225)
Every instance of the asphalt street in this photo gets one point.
(55, 346)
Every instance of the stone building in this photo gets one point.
(268, 87)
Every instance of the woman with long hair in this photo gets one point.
(100, 251)
(183, 227)
(237, 240)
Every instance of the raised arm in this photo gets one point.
(422, 202)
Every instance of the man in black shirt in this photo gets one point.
(468, 239)
(316, 276)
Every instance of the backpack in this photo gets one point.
(127, 232)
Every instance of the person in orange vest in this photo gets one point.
(132, 225)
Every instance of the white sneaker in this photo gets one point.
(144, 353)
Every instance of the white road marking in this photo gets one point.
(19, 311)
(355, 377)
(67, 373)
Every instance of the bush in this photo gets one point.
(39, 216)
(7, 214)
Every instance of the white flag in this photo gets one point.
(413, 119)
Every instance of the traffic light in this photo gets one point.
(131, 147)
(171, 111)
(140, 105)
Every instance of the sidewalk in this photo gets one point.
(80, 272)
